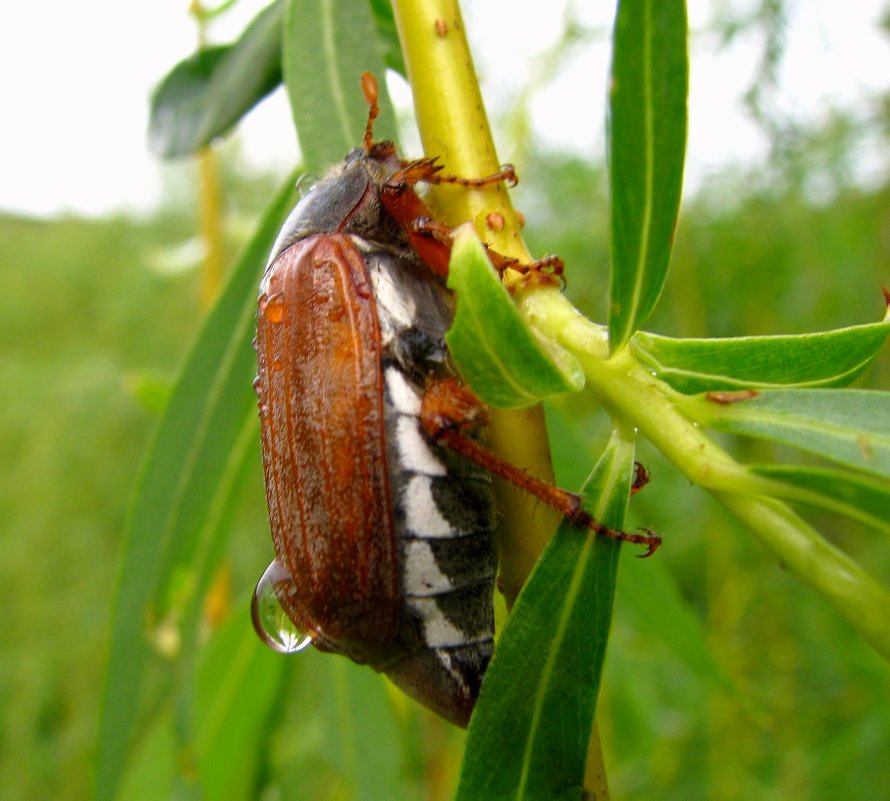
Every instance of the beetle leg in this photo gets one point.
(449, 409)
(549, 270)
(414, 172)
(426, 170)
(506, 174)
(428, 234)
(640, 479)
(369, 90)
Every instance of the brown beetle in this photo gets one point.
(380, 503)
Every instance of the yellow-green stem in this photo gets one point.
(454, 126)
(210, 207)
(631, 394)
(209, 202)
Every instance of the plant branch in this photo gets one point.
(453, 126)
(632, 394)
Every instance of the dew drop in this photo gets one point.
(258, 387)
(304, 184)
(270, 621)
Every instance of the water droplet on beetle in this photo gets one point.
(258, 386)
(304, 184)
(270, 621)
(274, 309)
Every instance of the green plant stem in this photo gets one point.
(632, 394)
(454, 126)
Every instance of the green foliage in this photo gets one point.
(74, 292)
(326, 46)
(726, 677)
(826, 359)
(205, 95)
(540, 690)
(498, 356)
(647, 142)
(177, 523)
(844, 426)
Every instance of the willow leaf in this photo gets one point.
(847, 426)
(854, 495)
(825, 359)
(498, 355)
(203, 97)
(328, 44)
(647, 145)
(529, 734)
(177, 490)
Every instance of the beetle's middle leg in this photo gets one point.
(448, 410)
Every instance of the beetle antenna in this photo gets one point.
(369, 90)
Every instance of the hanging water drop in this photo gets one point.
(270, 621)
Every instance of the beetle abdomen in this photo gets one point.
(442, 505)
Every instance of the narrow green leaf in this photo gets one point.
(341, 731)
(237, 685)
(854, 495)
(650, 594)
(825, 359)
(177, 488)
(848, 426)
(498, 355)
(328, 44)
(388, 35)
(647, 143)
(203, 97)
(529, 734)
(151, 766)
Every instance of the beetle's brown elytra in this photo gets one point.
(381, 511)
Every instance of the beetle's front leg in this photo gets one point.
(449, 410)
(432, 239)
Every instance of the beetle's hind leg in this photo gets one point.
(448, 410)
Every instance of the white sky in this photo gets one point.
(76, 78)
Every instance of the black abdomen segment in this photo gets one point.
(442, 507)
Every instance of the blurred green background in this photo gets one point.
(97, 314)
